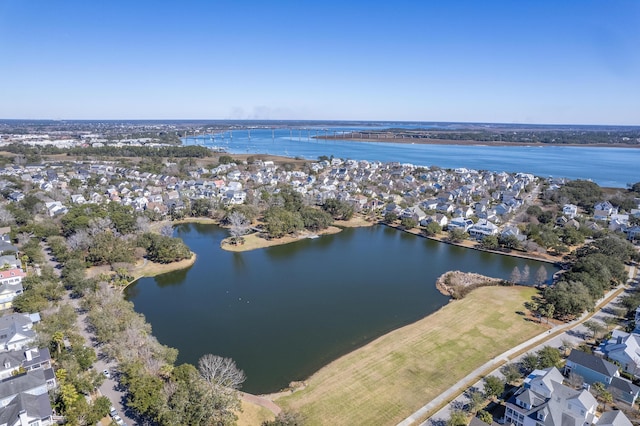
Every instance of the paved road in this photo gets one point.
(110, 386)
(573, 332)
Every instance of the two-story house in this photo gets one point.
(544, 401)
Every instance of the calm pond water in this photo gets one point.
(283, 312)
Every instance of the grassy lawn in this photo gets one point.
(390, 378)
(253, 415)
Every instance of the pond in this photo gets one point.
(283, 312)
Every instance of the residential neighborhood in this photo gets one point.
(495, 211)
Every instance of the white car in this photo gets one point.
(106, 374)
(118, 420)
(112, 411)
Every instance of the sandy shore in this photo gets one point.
(257, 241)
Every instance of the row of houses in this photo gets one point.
(26, 374)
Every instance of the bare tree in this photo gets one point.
(19, 160)
(219, 371)
(23, 238)
(524, 277)
(541, 275)
(515, 275)
(142, 224)
(595, 327)
(166, 231)
(5, 216)
(239, 226)
(575, 380)
(99, 225)
(81, 240)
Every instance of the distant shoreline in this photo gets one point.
(469, 142)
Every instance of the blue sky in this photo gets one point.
(537, 61)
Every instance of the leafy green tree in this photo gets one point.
(108, 248)
(493, 386)
(511, 372)
(509, 242)
(408, 223)
(569, 299)
(457, 418)
(99, 409)
(529, 362)
(163, 249)
(85, 356)
(280, 222)
(201, 207)
(490, 242)
(457, 235)
(339, 210)
(315, 219)
(390, 217)
(485, 416)
(432, 229)
(476, 400)
(549, 357)
(144, 390)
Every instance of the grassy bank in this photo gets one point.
(391, 377)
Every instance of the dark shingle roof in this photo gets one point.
(593, 363)
(624, 385)
(37, 406)
(614, 418)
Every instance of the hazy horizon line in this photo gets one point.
(249, 120)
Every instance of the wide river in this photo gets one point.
(283, 312)
(608, 167)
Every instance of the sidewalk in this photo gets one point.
(485, 369)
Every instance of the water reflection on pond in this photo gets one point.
(283, 312)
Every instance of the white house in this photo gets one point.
(544, 401)
(460, 223)
(16, 331)
(623, 348)
(482, 229)
(570, 210)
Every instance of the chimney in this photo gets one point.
(23, 418)
(28, 355)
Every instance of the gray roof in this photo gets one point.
(11, 359)
(12, 324)
(624, 385)
(22, 383)
(36, 406)
(552, 408)
(614, 418)
(593, 363)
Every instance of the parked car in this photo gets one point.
(106, 373)
(112, 411)
(118, 420)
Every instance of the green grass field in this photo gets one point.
(388, 379)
